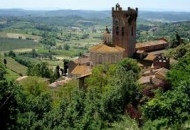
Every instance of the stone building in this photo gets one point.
(161, 61)
(79, 66)
(106, 52)
(114, 47)
(121, 43)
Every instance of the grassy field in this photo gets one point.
(10, 75)
(52, 63)
(24, 36)
(7, 44)
(15, 66)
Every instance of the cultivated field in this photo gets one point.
(15, 66)
(7, 44)
(23, 36)
(10, 75)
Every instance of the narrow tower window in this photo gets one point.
(131, 31)
(122, 31)
(117, 30)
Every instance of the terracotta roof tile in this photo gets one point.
(150, 43)
(161, 73)
(82, 60)
(81, 70)
(145, 79)
(150, 57)
(103, 48)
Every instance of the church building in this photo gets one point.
(121, 43)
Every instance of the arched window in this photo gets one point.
(117, 30)
(131, 31)
(122, 31)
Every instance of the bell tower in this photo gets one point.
(124, 29)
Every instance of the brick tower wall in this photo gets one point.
(124, 29)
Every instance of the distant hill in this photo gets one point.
(164, 16)
(89, 14)
(55, 13)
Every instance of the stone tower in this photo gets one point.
(124, 29)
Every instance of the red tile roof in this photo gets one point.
(150, 57)
(82, 60)
(104, 48)
(161, 73)
(151, 43)
(81, 70)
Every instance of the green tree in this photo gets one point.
(8, 103)
(5, 61)
(66, 47)
(34, 53)
(40, 69)
(170, 109)
(2, 70)
(130, 65)
(93, 110)
(48, 41)
(34, 102)
(11, 54)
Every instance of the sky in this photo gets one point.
(155, 5)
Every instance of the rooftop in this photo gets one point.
(81, 70)
(150, 57)
(82, 60)
(162, 72)
(151, 43)
(104, 48)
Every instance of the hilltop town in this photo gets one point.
(115, 71)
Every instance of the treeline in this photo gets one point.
(169, 30)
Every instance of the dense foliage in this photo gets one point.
(96, 108)
(170, 109)
(41, 69)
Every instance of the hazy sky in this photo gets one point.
(171, 5)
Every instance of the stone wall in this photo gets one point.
(101, 58)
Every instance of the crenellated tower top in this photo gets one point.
(129, 14)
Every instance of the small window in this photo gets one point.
(122, 31)
(117, 30)
(131, 31)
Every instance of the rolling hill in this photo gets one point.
(90, 14)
